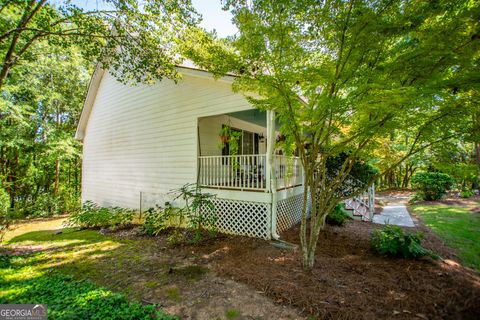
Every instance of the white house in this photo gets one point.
(141, 142)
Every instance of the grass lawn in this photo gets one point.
(88, 275)
(457, 226)
(63, 274)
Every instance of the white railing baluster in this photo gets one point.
(248, 171)
(215, 172)
(204, 171)
(209, 171)
(219, 164)
(229, 163)
(205, 163)
(254, 176)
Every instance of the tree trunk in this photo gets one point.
(75, 176)
(317, 221)
(57, 176)
(477, 158)
(309, 259)
(406, 176)
(476, 121)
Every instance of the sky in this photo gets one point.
(211, 10)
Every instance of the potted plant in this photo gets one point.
(224, 134)
(232, 137)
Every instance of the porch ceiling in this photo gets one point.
(254, 116)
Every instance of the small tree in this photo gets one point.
(342, 75)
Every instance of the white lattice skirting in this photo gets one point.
(289, 212)
(239, 217)
(243, 217)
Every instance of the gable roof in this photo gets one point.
(188, 68)
(89, 100)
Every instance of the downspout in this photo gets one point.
(271, 163)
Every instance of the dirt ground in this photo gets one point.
(232, 277)
(348, 281)
(192, 288)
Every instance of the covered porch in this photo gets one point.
(259, 190)
(258, 166)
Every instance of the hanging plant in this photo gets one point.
(224, 135)
(233, 140)
(230, 136)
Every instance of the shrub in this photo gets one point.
(431, 185)
(392, 241)
(466, 193)
(93, 216)
(360, 174)
(176, 238)
(338, 217)
(69, 202)
(46, 205)
(159, 219)
(198, 212)
(4, 213)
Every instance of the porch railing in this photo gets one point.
(247, 172)
(288, 171)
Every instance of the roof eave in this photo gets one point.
(89, 100)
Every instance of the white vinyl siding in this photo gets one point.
(144, 138)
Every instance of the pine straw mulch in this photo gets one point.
(453, 199)
(348, 280)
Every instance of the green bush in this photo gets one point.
(197, 213)
(338, 217)
(431, 185)
(199, 208)
(159, 219)
(93, 216)
(4, 213)
(360, 174)
(466, 193)
(46, 205)
(392, 241)
(69, 202)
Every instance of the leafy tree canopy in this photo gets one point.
(137, 42)
(343, 76)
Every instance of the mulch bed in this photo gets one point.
(348, 280)
(453, 199)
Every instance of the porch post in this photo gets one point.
(269, 151)
(270, 171)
